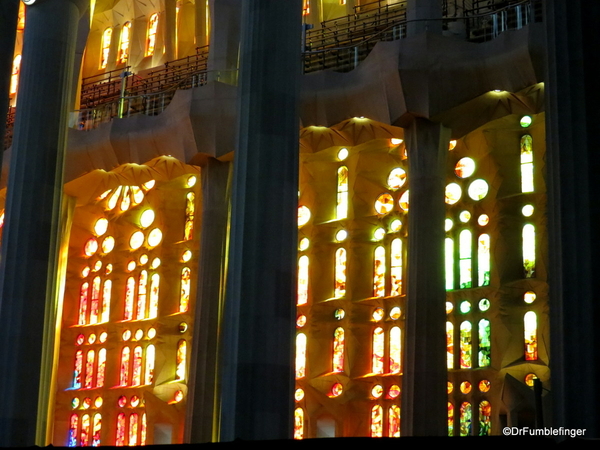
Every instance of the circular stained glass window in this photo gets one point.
(143, 259)
(527, 210)
(379, 234)
(465, 387)
(136, 240)
(453, 193)
(147, 218)
(101, 226)
(397, 178)
(154, 237)
(465, 167)
(464, 216)
(131, 265)
(303, 215)
(465, 307)
(450, 387)
(484, 305)
(336, 390)
(102, 337)
(339, 314)
(75, 403)
(139, 334)
(395, 226)
(85, 272)
(378, 314)
(108, 269)
(394, 391)
(341, 235)
(98, 402)
(183, 327)
(529, 297)
(403, 202)
(484, 385)
(342, 154)
(452, 144)
(448, 224)
(384, 203)
(191, 181)
(91, 247)
(377, 391)
(155, 263)
(395, 313)
(151, 333)
(299, 394)
(301, 321)
(483, 220)
(91, 338)
(135, 401)
(126, 335)
(97, 266)
(87, 402)
(122, 401)
(186, 256)
(529, 379)
(108, 244)
(525, 121)
(449, 307)
(304, 242)
(80, 339)
(478, 189)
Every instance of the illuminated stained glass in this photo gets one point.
(338, 350)
(14, 79)
(397, 178)
(529, 250)
(125, 200)
(377, 391)
(449, 263)
(298, 423)
(529, 297)
(180, 360)
(136, 240)
(106, 301)
(105, 51)
(303, 215)
(465, 167)
(465, 387)
(450, 344)
(300, 355)
(341, 210)
(101, 226)
(403, 202)
(77, 372)
(453, 193)
(465, 419)
(73, 428)
(83, 303)
(133, 430)
(378, 350)
(483, 259)
(114, 198)
(136, 378)
(396, 267)
(184, 298)
(394, 391)
(340, 272)
(124, 40)
(143, 429)
(124, 371)
(484, 385)
(336, 390)
(464, 251)
(141, 295)
(84, 437)
(465, 345)
(377, 421)
(189, 216)
(149, 369)
(96, 428)
(485, 418)
(450, 419)
(299, 394)
(384, 203)
(379, 273)
(151, 40)
(101, 367)
(120, 438)
(95, 300)
(395, 350)
(129, 298)
(527, 164)
(154, 289)
(485, 343)
(531, 351)
(478, 189)
(89, 369)
(302, 280)
(394, 421)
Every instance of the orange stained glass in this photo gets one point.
(485, 418)
(124, 40)
(73, 428)
(379, 272)
(96, 428)
(89, 369)
(531, 350)
(136, 378)
(14, 79)
(394, 421)
(126, 199)
(141, 297)
(189, 216)
(396, 267)
(184, 299)
(306, 7)
(154, 289)
(340, 272)
(377, 421)
(338, 350)
(378, 350)
(124, 371)
(181, 360)
(302, 280)
(114, 197)
(77, 372)
(450, 344)
(133, 430)
(298, 423)
(465, 419)
(450, 419)
(143, 429)
(395, 350)
(101, 367)
(83, 303)
(106, 301)
(95, 300)
(151, 36)
(129, 298)
(84, 438)
(121, 425)
(341, 210)
(105, 51)
(149, 369)
(300, 355)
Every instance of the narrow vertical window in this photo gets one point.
(378, 351)
(465, 419)
(302, 280)
(465, 345)
(379, 273)
(395, 350)
(143, 429)
(95, 304)
(450, 419)
(450, 344)
(341, 211)
(151, 35)
(141, 296)
(106, 301)
(154, 289)
(133, 430)
(485, 344)
(526, 163)
(300, 355)
(340, 272)
(136, 378)
(338, 350)
(189, 216)
(101, 367)
(120, 438)
(298, 423)
(396, 267)
(529, 250)
(96, 428)
(449, 263)
(83, 303)
(14, 79)
(89, 369)
(184, 299)
(129, 298)
(394, 421)
(124, 371)
(124, 43)
(180, 361)
(149, 370)
(465, 259)
(530, 320)
(485, 418)
(483, 260)
(84, 437)
(106, 38)
(73, 426)
(377, 421)
(78, 369)
(305, 7)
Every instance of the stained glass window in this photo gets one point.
(384, 203)
(302, 280)
(485, 418)
(133, 429)
(83, 303)
(341, 211)
(453, 193)
(379, 273)
(465, 345)
(84, 438)
(106, 37)
(340, 272)
(136, 378)
(154, 289)
(14, 79)
(77, 372)
(378, 350)
(124, 371)
(189, 216)
(120, 438)
(141, 297)
(73, 428)
(529, 250)
(485, 343)
(151, 36)
(396, 267)
(184, 299)
(397, 178)
(95, 300)
(298, 423)
(338, 350)
(129, 298)
(106, 301)
(450, 344)
(465, 259)
(527, 163)
(300, 355)
(143, 429)
(96, 428)
(394, 421)
(181, 360)
(449, 263)
(531, 353)
(483, 260)
(450, 419)
(395, 350)
(465, 419)
(149, 369)
(89, 369)
(101, 367)
(377, 421)
(124, 39)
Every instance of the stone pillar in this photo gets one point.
(9, 13)
(170, 29)
(225, 16)
(33, 204)
(572, 159)
(203, 411)
(202, 23)
(424, 16)
(257, 377)
(424, 395)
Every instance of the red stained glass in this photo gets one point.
(120, 438)
(84, 438)
(137, 366)
(83, 303)
(78, 369)
(124, 372)
(129, 296)
(95, 300)
(141, 303)
(101, 367)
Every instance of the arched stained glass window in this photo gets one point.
(133, 429)
(341, 211)
(529, 250)
(14, 79)
(151, 36)
(95, 300)
(485, 343)
(531, 350)
(141, 296)
(124, 44)
(136, 378)
(154, 289)
(89, 369)
(379, 273)
(396, 267)
(184, 299)
(143, 429)
(101, 367)
(300, 355)
(465, 419)
(465, 259)
(378, 350)
(485, 418)
(377, 421)
(450, 344)
(96, 428)
(84, 438)
(450, 419)
(149, 370)
(181, 360)
(395, 350)
(121, 425)
(483, 260)
(340, 272)
(394, 421)
(190, 209)
(73, 428)
(83, 303)
(106, 290)
(465, 345)
(449, 263)
(124, 370)
(298, 423)
(106, 38)
(77, 372)
(302, 280)
(527, 163)
(338, 350)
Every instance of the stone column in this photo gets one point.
(572, 157)
(424, 395)
(257, 373)
(170, 27)
(224, 36)
(424, 16)
(9, 13)
(202, 23)
(33, 204)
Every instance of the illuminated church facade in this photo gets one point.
(425, 286)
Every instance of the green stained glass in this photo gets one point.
(483, 260)
(485, 344)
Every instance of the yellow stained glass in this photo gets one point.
(384, 203)
(342, 194)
